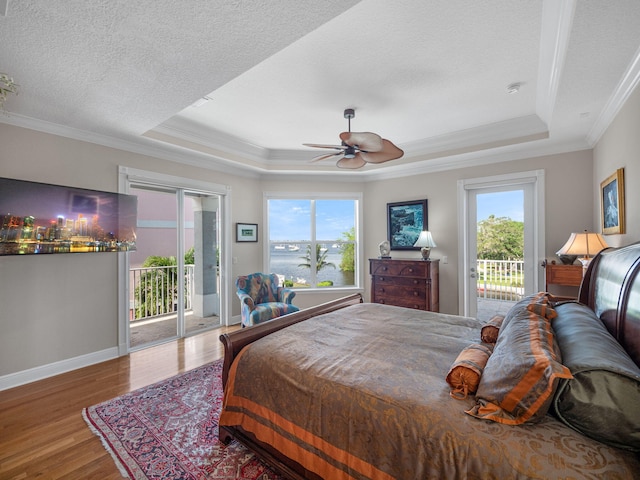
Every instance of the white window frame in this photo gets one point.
(359, 250)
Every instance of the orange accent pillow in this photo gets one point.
(542, 305)
(491, 329)
(521, 376)
(464, 375)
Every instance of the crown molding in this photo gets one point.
(557, 19)
(478, 158)
(620, 95)
(171, 151)
(141, 145)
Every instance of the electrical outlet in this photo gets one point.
(445, 259)
(234, 260)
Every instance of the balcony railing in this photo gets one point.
(154, 291)
(500, 280)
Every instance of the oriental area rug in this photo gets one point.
(169, 430)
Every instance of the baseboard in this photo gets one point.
(235, 320)
(45, 371)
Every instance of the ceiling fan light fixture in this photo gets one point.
(358, 148)
(513, 88)
(350, 152)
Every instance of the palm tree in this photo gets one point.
(321, 259)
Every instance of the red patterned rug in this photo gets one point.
(170, 430)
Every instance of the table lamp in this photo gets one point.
(425, 242)
(584, 245)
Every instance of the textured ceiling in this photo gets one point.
(431, 76)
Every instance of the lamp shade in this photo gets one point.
(584, 244)
(425, 240)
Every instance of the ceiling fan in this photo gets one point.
(359, 148)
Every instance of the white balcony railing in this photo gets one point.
(500, 280)
(154, 291)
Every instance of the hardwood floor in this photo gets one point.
(42, 432)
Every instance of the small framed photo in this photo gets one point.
(612, 203)
(405, 221)
(246, 232)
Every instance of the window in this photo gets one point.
(313, 241)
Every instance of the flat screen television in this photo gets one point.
(40, 218)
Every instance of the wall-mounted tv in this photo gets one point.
(39, 218)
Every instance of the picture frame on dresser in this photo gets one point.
(612, 203)
(405, 221)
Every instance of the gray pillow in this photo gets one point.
(602, 399)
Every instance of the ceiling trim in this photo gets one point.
(620, 95)
(141, 146)
(557, 19)
(151, 147)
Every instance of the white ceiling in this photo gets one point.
(429, 75)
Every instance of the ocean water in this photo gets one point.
(285, 262)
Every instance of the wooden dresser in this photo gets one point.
(405, 283)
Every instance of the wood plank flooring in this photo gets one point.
(42, 432)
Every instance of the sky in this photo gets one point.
(501, 204)
(294, 219)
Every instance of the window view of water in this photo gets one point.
(285, 259)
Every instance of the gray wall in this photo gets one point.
(619, 147)
(55, 308)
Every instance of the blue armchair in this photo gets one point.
(261, 298)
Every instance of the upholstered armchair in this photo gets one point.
(262, 298)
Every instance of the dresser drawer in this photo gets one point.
(404, 281)
(419, 303)
(400, 269)
(399, 291)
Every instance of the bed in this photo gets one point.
(352, 390)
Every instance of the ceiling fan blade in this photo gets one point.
(351, 163)
(325, 156)
(367, 141)
(317, 145)
(388, 152)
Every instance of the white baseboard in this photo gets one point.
(235, 320)
(45, 371)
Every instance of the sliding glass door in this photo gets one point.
(174, 276)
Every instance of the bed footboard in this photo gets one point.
(236, 341)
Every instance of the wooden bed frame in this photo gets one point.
(234, 342)
(610, 287)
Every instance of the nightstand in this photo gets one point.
(563, 275)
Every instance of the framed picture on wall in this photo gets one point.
(405, 221)
(246, 232)
(612, 203)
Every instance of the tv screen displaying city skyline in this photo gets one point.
(40, 218)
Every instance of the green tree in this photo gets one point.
(348, 251)
(157, 290)
(321, 259)
(500, 238)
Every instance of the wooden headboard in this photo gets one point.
(611, 288)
